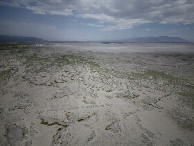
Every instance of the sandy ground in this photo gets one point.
(97, 94)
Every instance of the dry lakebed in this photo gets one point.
(97, 94)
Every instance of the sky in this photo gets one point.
(97, 20)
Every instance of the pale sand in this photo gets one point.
(97, 94)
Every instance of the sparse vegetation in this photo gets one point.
(93, 93)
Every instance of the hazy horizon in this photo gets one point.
(88, 20)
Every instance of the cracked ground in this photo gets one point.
(70, 94)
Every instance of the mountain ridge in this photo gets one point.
(160, 39)
(150, 39)
(16, 39)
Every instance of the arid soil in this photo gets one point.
(82, 94)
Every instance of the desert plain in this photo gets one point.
(99, 94)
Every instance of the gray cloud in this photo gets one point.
(121, 14)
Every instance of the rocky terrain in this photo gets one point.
(97, 94)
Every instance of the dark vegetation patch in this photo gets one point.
(187, 97)
(155, 76)
(37, 63)
(83, 118)
(52, 121)
(184, 119)
(5, 75)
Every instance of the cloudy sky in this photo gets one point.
(85, 20)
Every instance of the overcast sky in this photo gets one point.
(84, 20)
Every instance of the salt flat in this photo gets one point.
(97, 94)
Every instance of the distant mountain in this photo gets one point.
(13, 39)
(160, 39)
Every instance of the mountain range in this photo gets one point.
(16, 39)
(160, 39)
